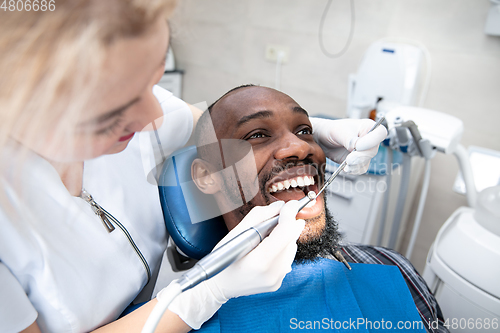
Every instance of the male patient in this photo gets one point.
(289, 163)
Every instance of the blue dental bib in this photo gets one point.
(325, 296)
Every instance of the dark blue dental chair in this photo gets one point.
(193, 234)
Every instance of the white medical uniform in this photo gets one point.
(58, 264)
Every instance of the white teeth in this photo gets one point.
(286, 184)
(300, 181)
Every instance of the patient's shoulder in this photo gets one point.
(422, 296)
(368, 254)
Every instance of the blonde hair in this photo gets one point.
(50, 60)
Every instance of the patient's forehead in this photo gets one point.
(246, 101)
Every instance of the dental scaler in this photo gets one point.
(246, 241)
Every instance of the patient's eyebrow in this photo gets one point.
(298, 109)
(257, 115)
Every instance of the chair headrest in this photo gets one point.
(192, 217)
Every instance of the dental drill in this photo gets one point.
(235, 249)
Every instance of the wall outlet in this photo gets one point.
(272, 51)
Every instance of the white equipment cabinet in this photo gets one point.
(352, 200)
(392, 71)
(463, 266)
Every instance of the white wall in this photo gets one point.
(220, 44)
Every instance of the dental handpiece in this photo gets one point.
(246, 241)
(233, 250)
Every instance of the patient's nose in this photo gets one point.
(291, 146)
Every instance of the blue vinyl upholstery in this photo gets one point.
(176, 187)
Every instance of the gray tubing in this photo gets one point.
(420, 210)
(383, 215)
(403, 191)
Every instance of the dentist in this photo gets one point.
(81, 228)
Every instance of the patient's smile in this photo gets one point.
(300, 182)
(295, 178)
(294, 184)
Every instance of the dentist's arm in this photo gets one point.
(33, 328)
(134, 322)
(339, 137)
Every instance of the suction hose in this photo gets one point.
(403, 191)
(420, 210)
(385, 206)
(171, 292)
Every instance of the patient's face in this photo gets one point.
(289, 162)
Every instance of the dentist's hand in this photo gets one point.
(262, 270)
(339, 137)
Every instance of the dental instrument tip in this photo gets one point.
(311, 195)
(341, 258)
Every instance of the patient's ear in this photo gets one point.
(204, 177)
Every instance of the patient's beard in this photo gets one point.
(320, 246)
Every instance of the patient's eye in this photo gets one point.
(256, 135)
(305, 131)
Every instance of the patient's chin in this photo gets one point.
(320, 238)
(313, 229)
